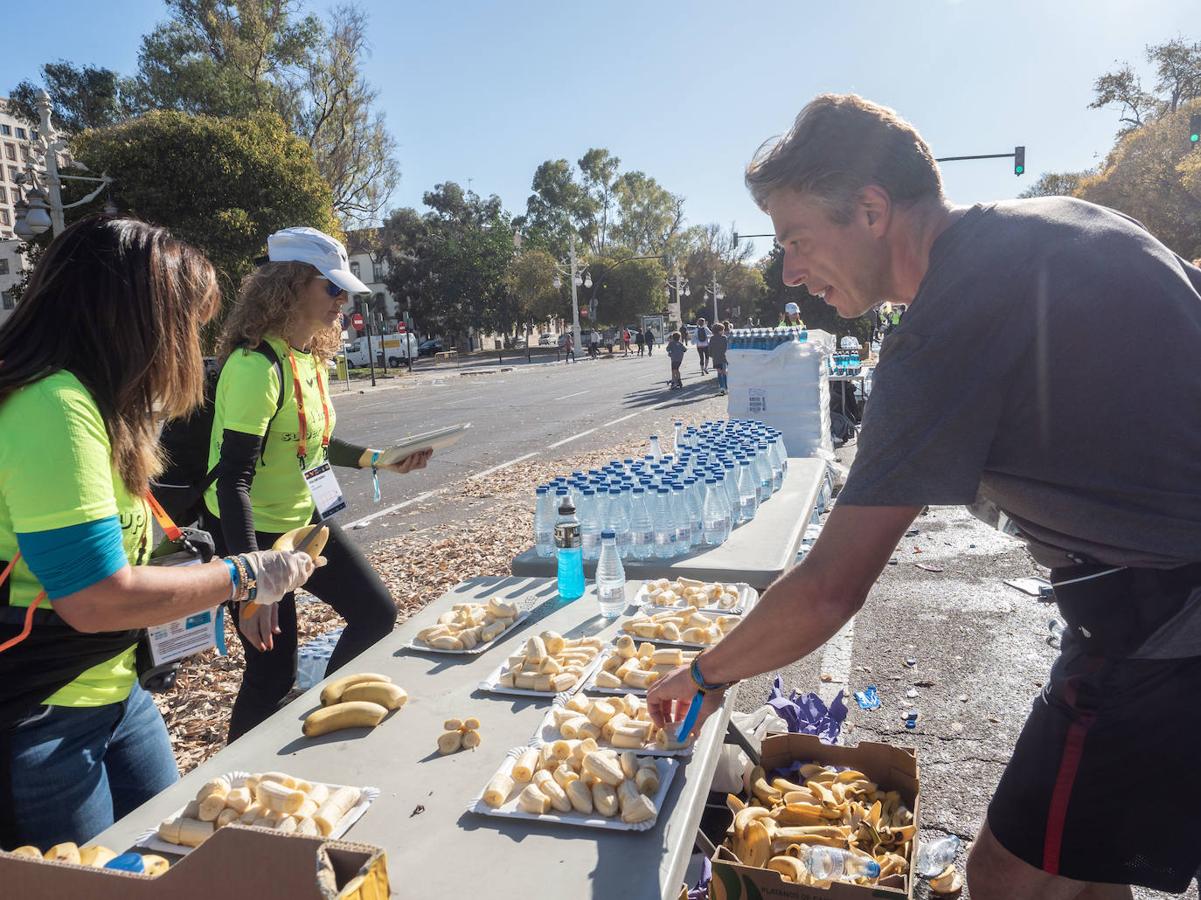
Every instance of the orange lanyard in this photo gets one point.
(302, 443)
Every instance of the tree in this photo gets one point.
(81, 97)
(598, 168)
(531, 281)
(651, 217)
(625, 289)
(1178, 81)
(1054, 184)
(710, 251)
(555, 210)
(237, 57)
(1124, 89)
(222, 184)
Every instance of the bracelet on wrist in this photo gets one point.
(234, 578)
(701, 685)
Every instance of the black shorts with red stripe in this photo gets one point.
(1106, 775)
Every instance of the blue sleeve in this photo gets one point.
(66, 560)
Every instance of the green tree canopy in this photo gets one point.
(222, 184)
(531, 281)
(624, 289)
(80, 97)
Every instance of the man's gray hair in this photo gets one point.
(839, 144)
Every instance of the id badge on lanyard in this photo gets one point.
(319, 479)
(323, 485)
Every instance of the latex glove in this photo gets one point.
(261, 627)
(279, 572)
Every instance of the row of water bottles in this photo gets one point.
(766, 338)
(667, 504)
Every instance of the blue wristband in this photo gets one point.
(703, 686)
(375, 477)
(234, 580)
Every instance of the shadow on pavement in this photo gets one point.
(655, 395)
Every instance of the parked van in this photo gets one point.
(395, 348)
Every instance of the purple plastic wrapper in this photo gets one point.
(807, 714)
(701, 891)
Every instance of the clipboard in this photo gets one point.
(438, 439)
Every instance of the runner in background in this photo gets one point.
(702, 345)
(105, 339)
(294, 303)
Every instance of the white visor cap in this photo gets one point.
(319, 250)
(790, 309)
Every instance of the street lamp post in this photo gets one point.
(577, 280)
(679, 284)
(717, 294)
(43, 208)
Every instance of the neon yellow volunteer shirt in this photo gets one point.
(246, 395)
(56, 470)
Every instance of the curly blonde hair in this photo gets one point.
(267, 305)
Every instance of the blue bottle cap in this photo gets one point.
(127, 862)
(541, 489)
(608, 535)
(614, 492)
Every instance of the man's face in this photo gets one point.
(846, 265)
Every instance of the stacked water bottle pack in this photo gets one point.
(766, 338)
(845, 362)
(666, 504)
(313, 658)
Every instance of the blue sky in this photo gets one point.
(686, 91)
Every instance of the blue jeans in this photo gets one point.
(722, 383)
(68, 773)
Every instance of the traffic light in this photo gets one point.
(1194, 130)
(1019, 160)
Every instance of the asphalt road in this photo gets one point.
(516, 415)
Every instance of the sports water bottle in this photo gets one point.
(568, 555)
(665, 530)
(544, 522)
(590, 527)
(748, 492)
(619, 521)
(680, 518)
(828, 864)
(642, 528)
(610, 578)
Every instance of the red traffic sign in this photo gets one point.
(357, 321)
(401, 328)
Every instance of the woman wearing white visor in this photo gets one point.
(792, 317)
(272, 433)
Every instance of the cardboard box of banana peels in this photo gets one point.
(822, 822)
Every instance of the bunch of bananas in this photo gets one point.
(94, 855)
(550, 662)
(690, 592)
(620, 722)
(580, 776)
(355, 701)
(270, 800)
(465, 625)
(844, 810)
(687, 624)
(639, 666)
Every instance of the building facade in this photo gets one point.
(16, 147)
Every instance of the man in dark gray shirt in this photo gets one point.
(1018, 383)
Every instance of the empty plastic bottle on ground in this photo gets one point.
(544, 522)
(569, 559)
(934, 856)
(610, 578)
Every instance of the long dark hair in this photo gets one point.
(119, 304)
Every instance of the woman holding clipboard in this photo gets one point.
(272, 437)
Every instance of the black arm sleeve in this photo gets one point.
(239, 456)
(345, 455)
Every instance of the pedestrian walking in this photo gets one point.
(650, 341)
(569, 348)
(1009, 389)
(702, 344)
(105, 341)
(593, 344)
(270, 439)
(639, 340)
(625, 342)
(718, 344)
(675, 352)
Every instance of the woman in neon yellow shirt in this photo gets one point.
(104, 341)
(290, 308)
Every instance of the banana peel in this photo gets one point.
(290, 540)
(947, 881)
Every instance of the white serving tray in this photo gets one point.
(492, 686)
(663, 642)
(548, 733)
(367, 795)
(415, 644)
(747, 597)
(667, 770)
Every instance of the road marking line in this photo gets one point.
(503, 465)
(392, 509)
(622, 419)
(836, 662)
(568, 440)
(576, 394)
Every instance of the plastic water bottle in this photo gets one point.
(763, 472)
(694, 496)
(569, 557)
(828, 864)
(716, 525)
(642, 527)
(934, 856)
(677, 442)
(619, 521)
(590, 526)
(610, 578)
(656, 453)
(731, 486)
(748, 492)
(681, 519)
(544, 522)
(665, 529)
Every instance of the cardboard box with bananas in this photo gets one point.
(236, 863)
(859, 802)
